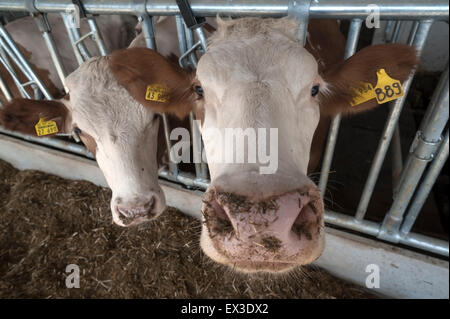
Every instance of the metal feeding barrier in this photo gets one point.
(413, 178)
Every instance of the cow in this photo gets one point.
(256, 74)
(125, 137)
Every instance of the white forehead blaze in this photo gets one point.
(260, 80)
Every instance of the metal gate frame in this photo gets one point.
(429, 149)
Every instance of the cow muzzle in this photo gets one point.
(273, 234)
(137, 210)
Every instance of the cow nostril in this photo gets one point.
(308, 224)
(216, 219)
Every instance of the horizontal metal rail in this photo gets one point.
(336, 9)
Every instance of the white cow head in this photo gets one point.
(115, 126)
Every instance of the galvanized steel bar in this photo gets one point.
(52, 142)
(299, 9)
(350, 48)
(388, 131)
(45, 29)
(433, 245)
(331, 9)
(15, 54)
(5, 90)
(422, 151)
(96, 36)
(426, 186)
(4, 60)
(149, 35)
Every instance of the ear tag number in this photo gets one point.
(363, 94)
(44, 127)
(386, 90)
(157, 93)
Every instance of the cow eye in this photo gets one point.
(77, 130)
(315, 90)
(199, 90)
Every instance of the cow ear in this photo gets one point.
(345, 79)
(22, 115)
(154, 81)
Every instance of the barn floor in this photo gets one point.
(47, 223)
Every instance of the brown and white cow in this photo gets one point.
(117, 128)
(257, 75)
(124, 136)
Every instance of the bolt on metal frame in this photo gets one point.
(395, 227)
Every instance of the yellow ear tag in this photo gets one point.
(386, 90)
(44, 127)
(363, 94)
(157, 93)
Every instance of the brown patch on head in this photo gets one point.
(22, 115)
(136, 68)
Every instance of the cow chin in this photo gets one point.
(310, 254)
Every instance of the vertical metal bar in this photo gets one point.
(97, 36)
(44, 27)
(388, 131)
(81, 53)
(149, 35)
(148, 29)
(79, 44)
(22, 62)
(201, 37)
(72, 39)
(396, 32)
(173, 166)
(190, 43)
(350, 48)
(388, 29)
(201, 168)
(426, 186)
(422, 151)
(299, 9)
(396, 145)
(181, 34)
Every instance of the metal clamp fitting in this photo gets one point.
(422, 149)
(191, 21)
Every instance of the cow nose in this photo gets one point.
(277, 229)
(136, 211)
